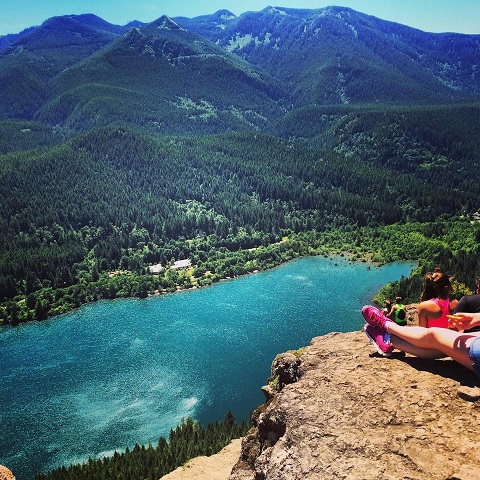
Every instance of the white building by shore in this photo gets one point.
(181, 264)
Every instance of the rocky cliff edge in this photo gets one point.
(336, 410)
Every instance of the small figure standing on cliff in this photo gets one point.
(429, 343)
(398, 312)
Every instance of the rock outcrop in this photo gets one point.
(215, 467)
(6, 474)
(338, 410)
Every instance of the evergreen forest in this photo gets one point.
(85, 218)
(188, 440)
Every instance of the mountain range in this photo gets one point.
(220, 72)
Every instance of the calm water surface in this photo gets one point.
(117, 373)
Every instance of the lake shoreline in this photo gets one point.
(348, 256)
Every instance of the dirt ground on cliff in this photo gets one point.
(5, 473)
(216, 467)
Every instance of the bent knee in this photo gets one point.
(438, 335)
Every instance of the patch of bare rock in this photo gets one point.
(6, 474)
(215, 467)
(336, 410)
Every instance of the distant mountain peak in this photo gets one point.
(135, 23)
(86, 17)
(275, 10)
(166, 23)
(225, 15)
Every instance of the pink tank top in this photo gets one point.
(442, 321)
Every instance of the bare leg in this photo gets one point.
(428, 342)
(404, 346)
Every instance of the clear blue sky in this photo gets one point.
(462, 16)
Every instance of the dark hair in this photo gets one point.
(429, 290)
(442, 285)
(477, 282)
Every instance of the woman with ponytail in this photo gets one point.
(433, 312)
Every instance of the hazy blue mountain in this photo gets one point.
(209, 26)
(165, 78)
(220, 72)
(65, 40)
(6, 40)
(28, 64)
(135, 23)
(338, 55)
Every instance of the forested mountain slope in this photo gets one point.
(116, 199)
(338, 55)
(435, 144)
(76, 70)
(28, 64)
(207, 25)
(160, 77)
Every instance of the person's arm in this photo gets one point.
(453, 305)
(390, 313)
(467, 320)
(422, 315)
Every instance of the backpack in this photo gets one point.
(401, 313)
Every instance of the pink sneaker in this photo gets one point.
(376, 337)
(375, 317)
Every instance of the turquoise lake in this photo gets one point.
(116, 373)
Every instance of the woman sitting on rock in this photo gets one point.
(425, 342)
(433, 312)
